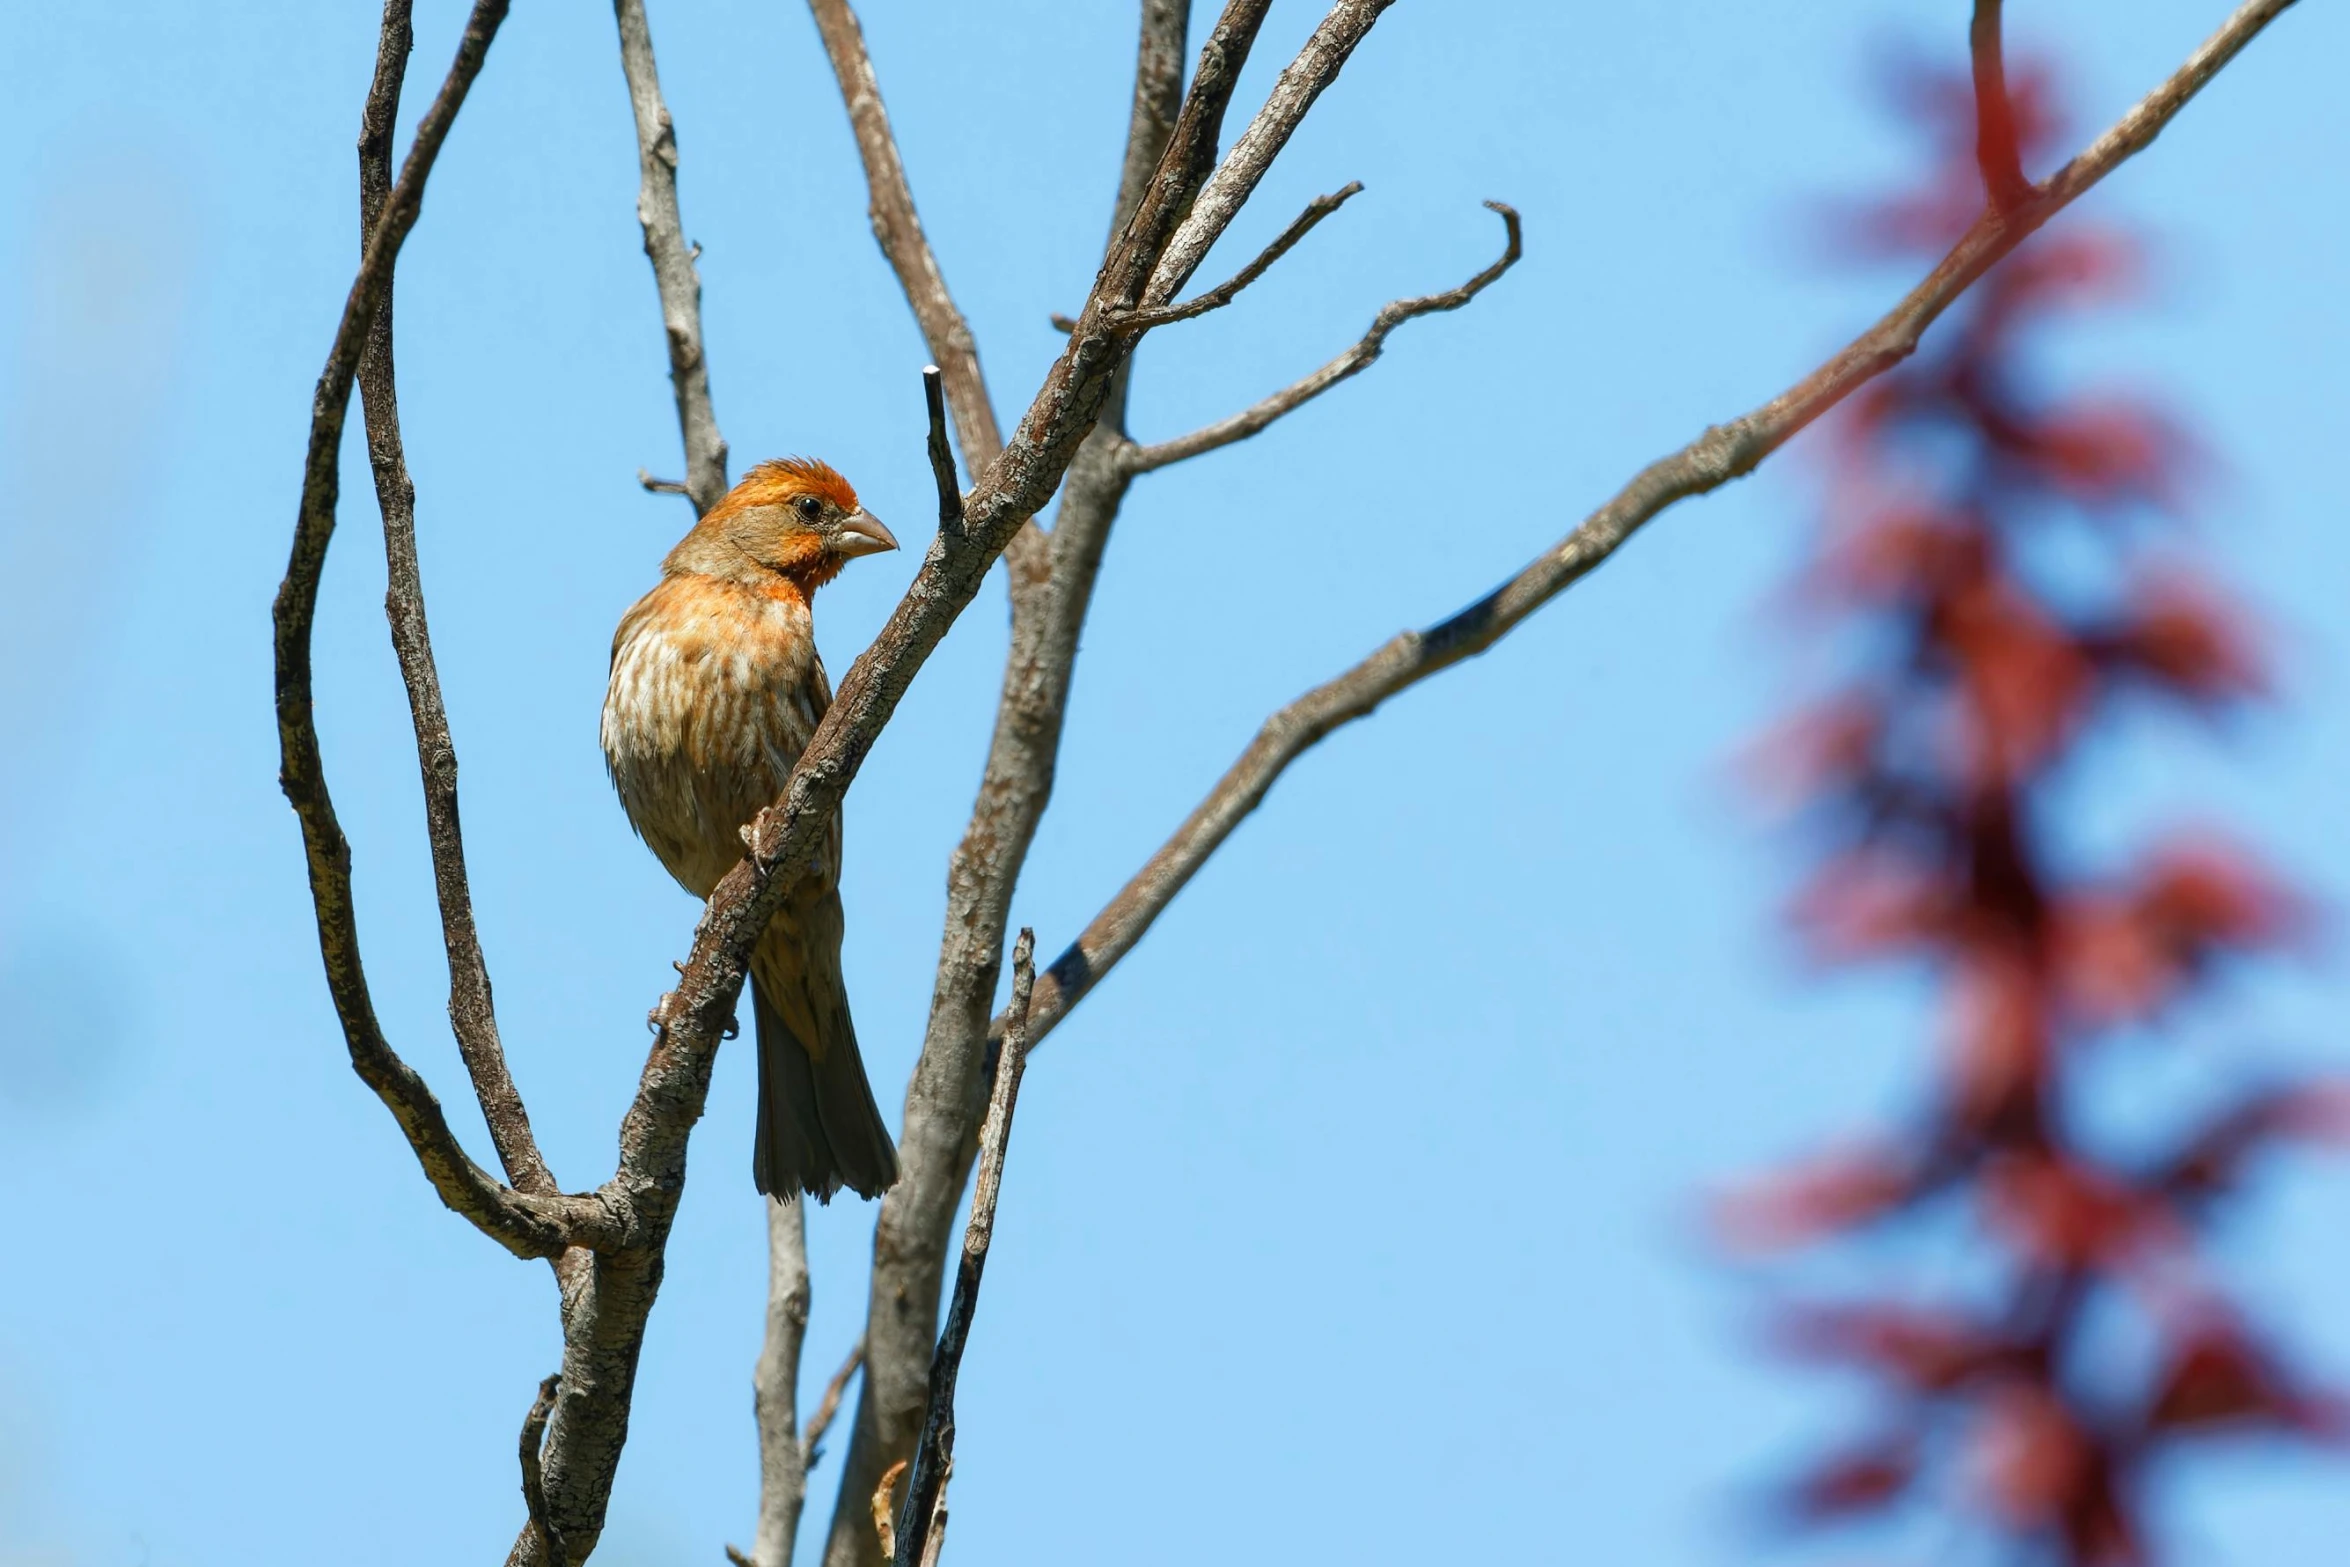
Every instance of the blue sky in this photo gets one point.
(1355, 1216)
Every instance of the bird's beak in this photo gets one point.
(861, 533)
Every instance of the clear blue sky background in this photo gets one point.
(1355, 1219)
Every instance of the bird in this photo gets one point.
(715, 690)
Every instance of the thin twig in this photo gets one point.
(934, 1453)
(1249, 421)
(472, 1014)
(674, 276)
(1221, 197)
(2004, 182)
(661, 486)
(525, 1223)
(942, 455)
(534, 1479)
(1721, 454)
(820, 1422)
(1224, 293)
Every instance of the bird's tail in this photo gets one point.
(819, 1129)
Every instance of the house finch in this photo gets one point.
(715, 691)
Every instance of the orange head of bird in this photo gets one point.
(793, 520)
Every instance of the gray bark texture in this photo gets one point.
(1176, 198)
(775, 1387)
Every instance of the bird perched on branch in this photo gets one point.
(715, 691)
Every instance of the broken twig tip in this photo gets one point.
(885, 1505)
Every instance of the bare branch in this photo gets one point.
(1052, 588)
(1301, 82)
(1721, 454)
(2004, 182)
(472, 1016)
(588, 1431)
(673, 261)
(897, 228)
(655, 486)
(811, 1442)
(534, 1479)
(1224, 293)
(935, 1453)
(1250, 420)
(526, 1223)
(775, 1387)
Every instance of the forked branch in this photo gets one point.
(1224, 293)
(1050, 588)
(1254, 418)
(529, 1223)
(472, 1015)
(1721, 454)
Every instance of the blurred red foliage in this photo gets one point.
(1988, 560)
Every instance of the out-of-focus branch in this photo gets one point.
(897, 228)
(673, 262)
(472, 1015)
(935, 1452)
(775, 1386)
(2004, 182)
(1052, 587)
(1721, 454)
(1224, 293)
(1360, 357)
(812, 1440)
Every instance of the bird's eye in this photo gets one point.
(810, 508)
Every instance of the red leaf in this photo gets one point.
(2108, 454)
(2185, 639)
(1850, 1485)
(2212, 1161)
(1924, 1351)
(1806, 1203)
(1866, 902)
(2067, 1214)
(2032, 1461)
